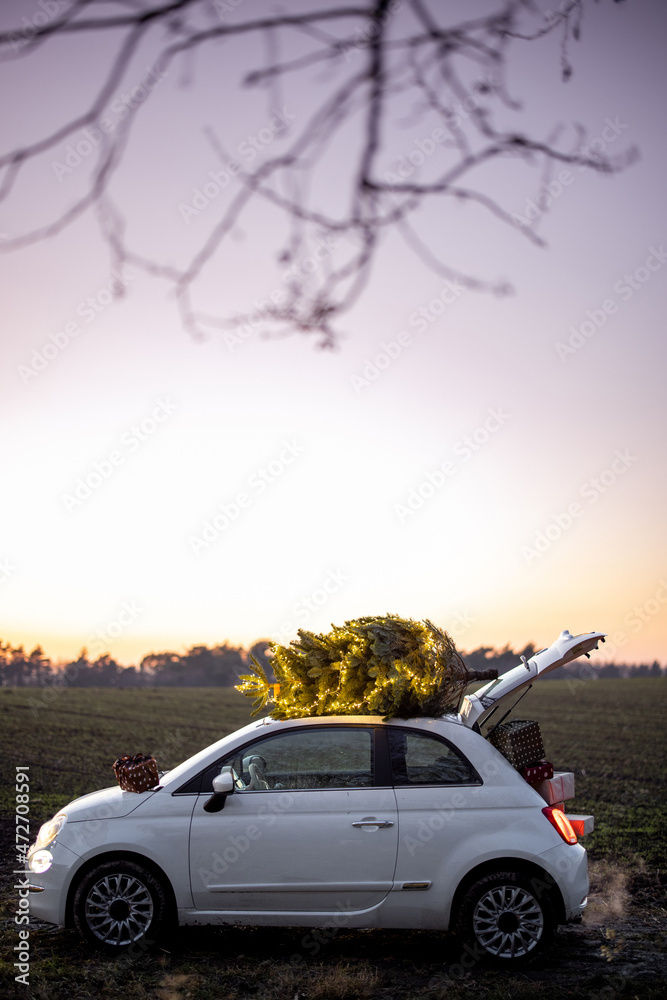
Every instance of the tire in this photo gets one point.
(120, 904)
(506, 918)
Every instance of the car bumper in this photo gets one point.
(48, 890)
(568, 864)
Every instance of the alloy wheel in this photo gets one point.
(119, 909)
(508, 921)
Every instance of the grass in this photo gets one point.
(70, 737)
(610, 732)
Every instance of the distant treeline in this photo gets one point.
(221, 666)
(200, 666)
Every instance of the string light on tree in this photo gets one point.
(383, 665)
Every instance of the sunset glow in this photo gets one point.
(492, 463)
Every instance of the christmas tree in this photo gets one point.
(389, 666)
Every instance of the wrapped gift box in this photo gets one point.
(520, 741)
(557, 789)
(136, 773)
(581, 824)
(538, 772)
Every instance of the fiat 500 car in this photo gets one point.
(347, 821)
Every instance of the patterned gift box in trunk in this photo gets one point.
(520, 741)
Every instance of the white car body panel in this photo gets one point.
(294, 850)
(49, 904)
(157, 829)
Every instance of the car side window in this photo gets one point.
(335, 757)
(424, 759)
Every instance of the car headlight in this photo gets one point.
(49, 831)
(40, 861)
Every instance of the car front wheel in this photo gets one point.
(119, 904)
(505, 917)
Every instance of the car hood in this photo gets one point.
(476, 707)
(107, 803)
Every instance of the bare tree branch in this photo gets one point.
(387, 63)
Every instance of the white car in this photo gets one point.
(346, 821)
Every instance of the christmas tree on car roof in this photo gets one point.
(377, 665)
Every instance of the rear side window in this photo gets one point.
(423, 759)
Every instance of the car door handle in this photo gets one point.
(373, 822)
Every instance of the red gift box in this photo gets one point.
(538, 772)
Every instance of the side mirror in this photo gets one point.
(223, 785)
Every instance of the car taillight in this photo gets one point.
(559, 820)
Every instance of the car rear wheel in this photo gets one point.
(120, 904)
(506, 918)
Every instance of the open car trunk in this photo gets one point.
(478, 706)
(498, 697)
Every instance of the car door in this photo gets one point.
(438, 801)
(306, 829)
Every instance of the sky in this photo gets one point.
(494, 464)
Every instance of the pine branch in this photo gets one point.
(389, 666)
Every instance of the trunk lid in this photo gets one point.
(478, 706)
